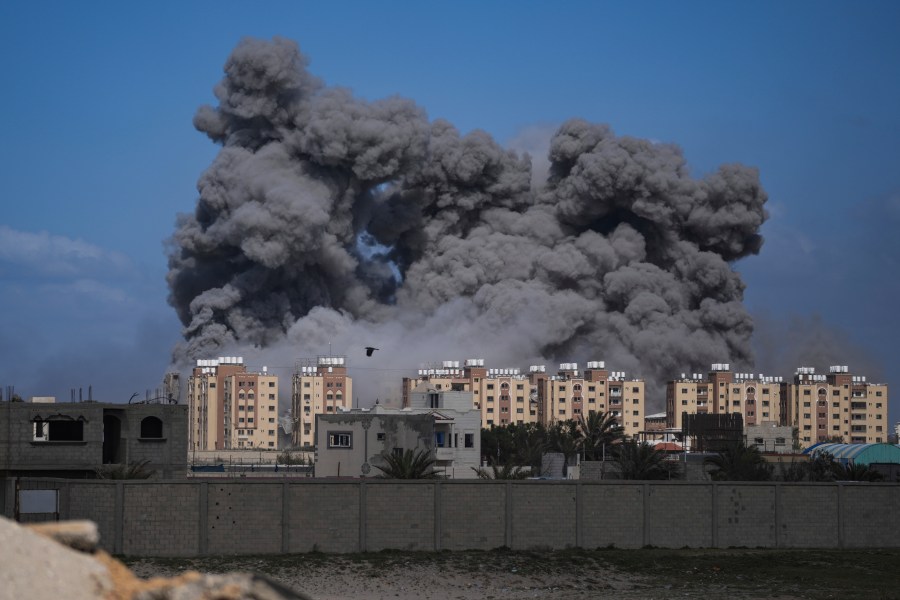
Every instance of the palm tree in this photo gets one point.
(856, 472)
(507, 471)
(739, 462)
(639, 460)
(821, 467)
(137, 470)
(599, 431)
(410, 464)
(564, 438)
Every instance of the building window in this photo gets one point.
(340, 439)
(58, 431)
(151, 427)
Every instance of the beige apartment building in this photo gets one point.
(319, 387)
(503, 396)
(837, 406)
(571, 394)
(231, 407)
(756, 397)
(507, 395)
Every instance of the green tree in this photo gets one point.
(507, 471)
(739, 462)
(641, 461)
(410, 464)
(564, 437)
(138, 470)
(856, 472)
(793, 471)
(513, 443)
(599, 432)
(821, 467)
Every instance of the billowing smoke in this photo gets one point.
(326, 219)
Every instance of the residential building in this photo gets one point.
(655, 423)
(231, 407)
(457, 427)
(503, 396)
(318, 387)
(838, 407)
(769, 437)
(74, 440)
(351, 442)
(506, 395)
(571, 394)
(756, 397)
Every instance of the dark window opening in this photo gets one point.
(65, 431)
(151, 427)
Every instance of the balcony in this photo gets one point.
(444, 453)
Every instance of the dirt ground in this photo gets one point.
(622, 574)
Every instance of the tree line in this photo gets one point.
(516, 451)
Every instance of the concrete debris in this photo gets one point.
(78, 535)
(49, 561)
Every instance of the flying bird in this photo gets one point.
(370, 350)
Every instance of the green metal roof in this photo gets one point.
(860, 454)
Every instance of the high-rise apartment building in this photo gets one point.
(573, 393)
(755, 396)
(503, 396)
(506, 396)
(837, 406)
(319, 386)
(230, 407)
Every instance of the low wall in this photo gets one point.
(188, 518)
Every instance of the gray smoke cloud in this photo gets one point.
(326, 219)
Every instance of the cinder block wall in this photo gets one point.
(188, 518)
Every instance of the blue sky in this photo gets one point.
(99, 153)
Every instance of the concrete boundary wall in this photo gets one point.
(190, 517)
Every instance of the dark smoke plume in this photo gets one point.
(329, 219)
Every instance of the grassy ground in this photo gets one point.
(732, 573)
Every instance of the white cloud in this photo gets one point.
(54, 254)
(90, 289)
